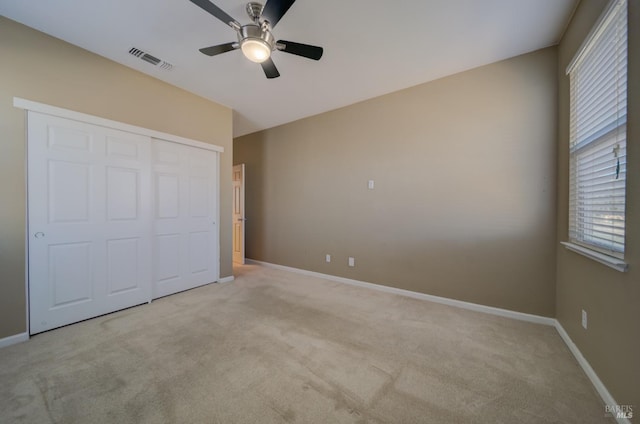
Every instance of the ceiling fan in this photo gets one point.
(255, 39)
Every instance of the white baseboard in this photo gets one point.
(226, 279)
(11, 340)
(595, 380)
(437, 299)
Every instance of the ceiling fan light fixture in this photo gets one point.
(255, 49)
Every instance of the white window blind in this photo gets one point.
(598, 139)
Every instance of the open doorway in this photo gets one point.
(238, 214)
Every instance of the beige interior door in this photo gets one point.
(238, 214)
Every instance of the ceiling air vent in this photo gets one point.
(151, 59)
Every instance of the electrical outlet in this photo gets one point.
(584, 319)
(327, 258)
(371, 184)
(352, 261)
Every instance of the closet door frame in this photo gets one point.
(29, 105)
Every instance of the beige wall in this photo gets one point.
(37, 67)
(464, 198)
(612, 299)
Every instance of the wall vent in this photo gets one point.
(151, 59)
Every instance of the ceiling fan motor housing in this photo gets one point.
(258, 32)
(254, 10)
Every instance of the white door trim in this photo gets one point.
(217, 216)
(96, 120)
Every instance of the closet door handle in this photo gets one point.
(39, 234)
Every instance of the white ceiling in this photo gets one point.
(371, 47)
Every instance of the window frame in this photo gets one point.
(594, 250)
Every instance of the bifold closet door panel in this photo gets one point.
(89, 231)
(185, 210)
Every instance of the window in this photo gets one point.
(598, 139)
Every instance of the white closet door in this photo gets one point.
(185, 211)
(89, 193)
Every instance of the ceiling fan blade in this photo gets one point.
(304, 50)
(270, 69)
(217, 12)
(275, 9)
(220, 48)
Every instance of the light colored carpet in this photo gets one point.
(278, 347)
